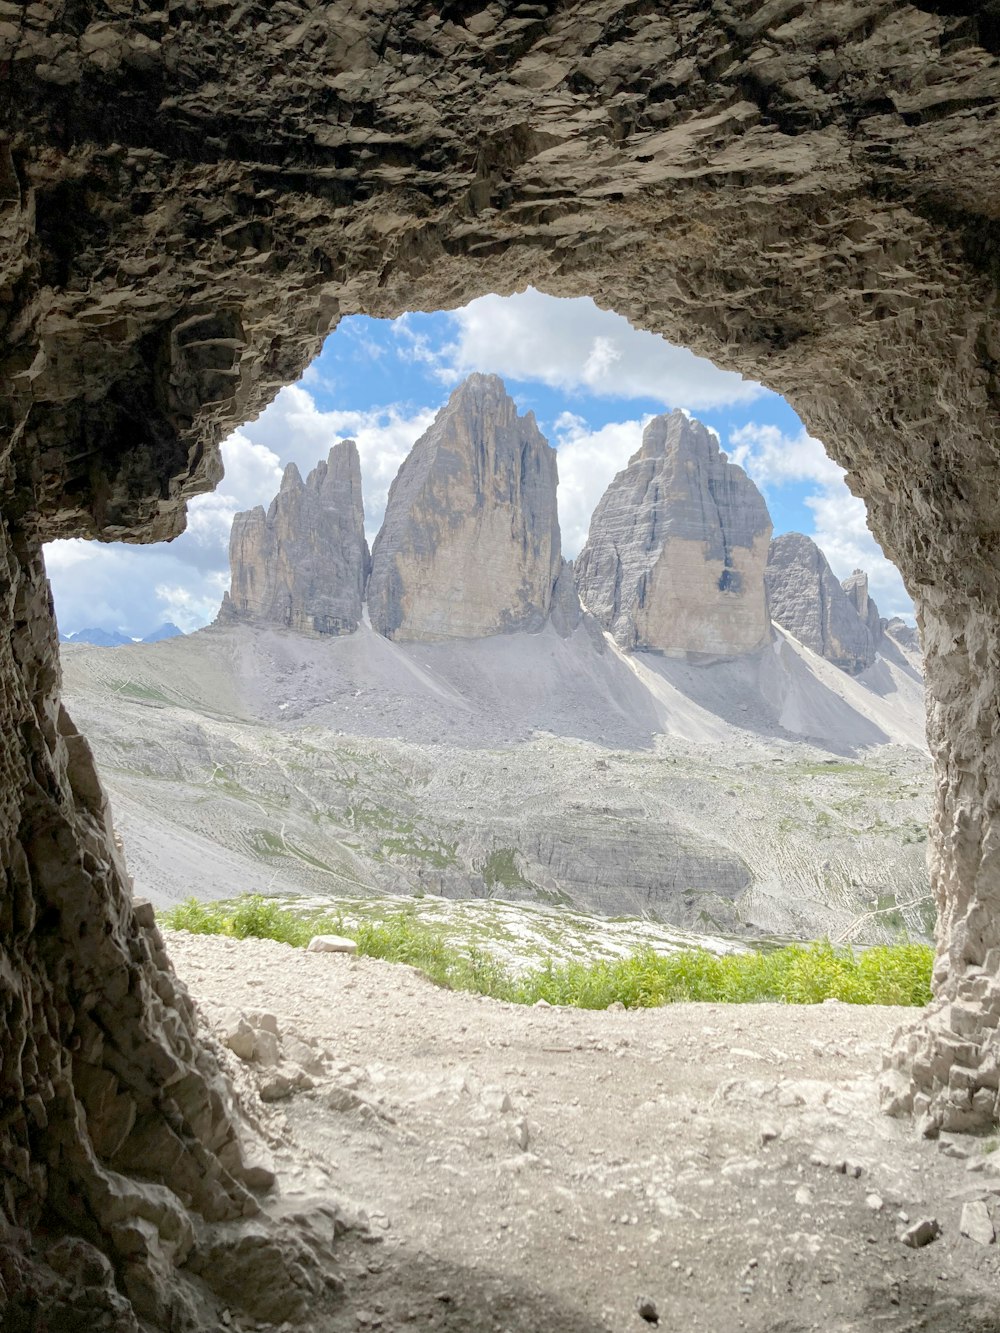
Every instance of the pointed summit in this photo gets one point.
(303, 564)
(470, 542)
(674, 561)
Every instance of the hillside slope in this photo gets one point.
(771, 793)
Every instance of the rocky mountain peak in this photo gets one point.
(303, 563)
(806, 599)
(672, 432)
(291, 478)
(675, 557)
(470, 543)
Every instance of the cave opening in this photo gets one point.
(191, 198)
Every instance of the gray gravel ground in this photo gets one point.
(529, 1169)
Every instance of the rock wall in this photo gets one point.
(305, 562)
(805, 598)
(674, 560)
(191, 196)
(119, 1128)
(470, 541)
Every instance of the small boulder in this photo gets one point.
(921, 1233)
(276, 1087)
(266, 1048)
(331, 944)
(239, 1037)
(976, 1222)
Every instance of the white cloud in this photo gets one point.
(574, 345)
(588, 460)
(771, 457)
(840, 519)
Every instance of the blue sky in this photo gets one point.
(592, 382)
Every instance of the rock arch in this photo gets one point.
(190, 197)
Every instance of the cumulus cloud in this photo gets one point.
(840, 520)
(774, 458)
(573, 345)
(588, 460)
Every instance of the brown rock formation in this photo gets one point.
(304, 563)
(674, 561)
(190, 196)
(470, 541)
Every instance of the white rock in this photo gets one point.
(239, 1037)
(976, 1222)
(276, 1087)
(331, 944)
(266, 1050)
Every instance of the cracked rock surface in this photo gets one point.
(674, 560)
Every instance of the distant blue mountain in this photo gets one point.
(102, 638)
(113, 638)
(164, 631)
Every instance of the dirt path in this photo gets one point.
(548, 1169)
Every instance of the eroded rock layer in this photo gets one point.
(470, 541)
(303, 564)
(674, 561)
(191, 196)
(805, 597)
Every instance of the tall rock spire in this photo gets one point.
(470, 543)
(304, 563)
(674, 561)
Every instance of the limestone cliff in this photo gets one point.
(470, 542)
(304, 563)
(674, 560)
(856, 588)
(806, 599)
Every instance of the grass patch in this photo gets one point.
(147, 693)
(500, 867)
(794, 974)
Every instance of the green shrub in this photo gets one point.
(897, 974)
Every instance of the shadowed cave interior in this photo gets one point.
(190, 198)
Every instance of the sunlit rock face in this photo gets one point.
(806, 598)
(674, 561)
(303, 563)
(470, 541)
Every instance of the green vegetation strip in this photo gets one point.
(796, 974)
